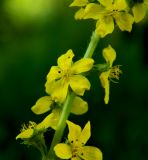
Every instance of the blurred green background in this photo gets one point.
(32, 35)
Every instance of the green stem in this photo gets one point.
(67, 105)
(45, 158)
(92, 45)
(61, 125)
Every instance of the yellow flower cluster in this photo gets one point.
(61, 80)
(68, 78)
(108, 12)
(75, 148)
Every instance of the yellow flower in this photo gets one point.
(138, 11)
(68, 74)
(45, 104)
(79, 3)
(109, 55)
(105, 12)
(75, 148)
(33, 129)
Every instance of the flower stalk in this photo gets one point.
(66, 82)
(92, 45)
(61, 125)
(68, 103)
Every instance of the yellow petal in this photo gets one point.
(79, 3)
(63, 151)
(65, 60)
(54, 73)
(42, 105)
(106, 3)
(121, 5)
(74, 132)
(80, 14)
(90, 153)
(79, 84)
(25, 134)
(105, 84)
(58, 90)
(46, 123)
(109, 54)
(124, 21)
(93, 11)
(139, 12)
(55, 118)
(79, 106)
(83, 65)
(85, 134)
(104, 26)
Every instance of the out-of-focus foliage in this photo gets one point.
(32, 35)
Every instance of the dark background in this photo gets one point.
(32, 37)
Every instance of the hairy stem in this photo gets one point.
(61, 125)
(92, 45)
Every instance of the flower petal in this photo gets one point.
(105, 84)
(104, 26)
(79, 84)
(109, 54)
(55, 73)
(58, 90)
(25, 134)
(79, 3)
(124, 21)
(139, 12)
(63, 151)
(65, 60)
(121, 5)
(51, 120)
(74, 132)
(83, 65)
(90, 153)
(93, 11)
(79, 106)
(42, 105)
(106, 3)
(85, 134)
(80, 14)
(55, 118)
(46, 123)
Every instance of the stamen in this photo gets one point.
(30, 125)
(115, 72)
